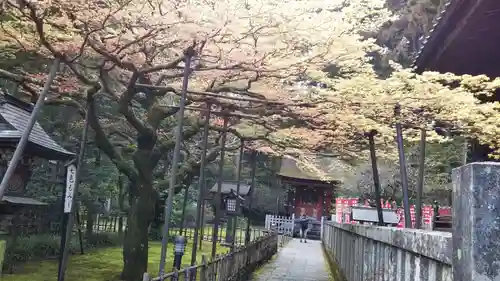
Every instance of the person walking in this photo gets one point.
(304, 228)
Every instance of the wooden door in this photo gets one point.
(308, 201)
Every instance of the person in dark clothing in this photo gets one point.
(304, 228)
(435, 206)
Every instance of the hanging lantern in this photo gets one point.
(231, 205)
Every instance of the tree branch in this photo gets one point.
(105, 144)
(164, 147)
(192, 168)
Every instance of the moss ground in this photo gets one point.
(103, 264)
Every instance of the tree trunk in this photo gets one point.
(135, 244)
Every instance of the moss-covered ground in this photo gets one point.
(100, 265)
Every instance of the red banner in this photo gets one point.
(343, 204)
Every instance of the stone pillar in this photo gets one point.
(476, 222)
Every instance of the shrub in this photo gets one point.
(2, 251)
(98, 240)
(156, 233)
(46, 246)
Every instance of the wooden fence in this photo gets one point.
(110, 223)
(239, 238)
(237, 265)
(102, 223)
(284, 225)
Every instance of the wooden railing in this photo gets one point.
(237, 265)
(284, 239)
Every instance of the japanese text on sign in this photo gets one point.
(70, 187)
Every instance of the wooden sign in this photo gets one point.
(70, 187)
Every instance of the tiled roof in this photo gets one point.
(228, 186)
(10, 134)
(16, 113)
(328, 169)
(464, 40)
(22, 201)
(434, 33)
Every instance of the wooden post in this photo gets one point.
(376, 181)
(203, 268)
(402, 166)
(218, 197)
(121, 199)
(80, 236)
(184, 205)
(202, 223)
(420, 180)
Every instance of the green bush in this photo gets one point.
(2, 252)
(156, 233)
(98, 240)
(46, 246)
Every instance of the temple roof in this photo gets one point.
(228, 186)
(14, 116)
(22, 201)
(464, 40)
(320, 168)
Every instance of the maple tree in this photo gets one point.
(440, 159)
(108, 48)
(326, 82)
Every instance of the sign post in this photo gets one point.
(68, 202)
(70, 188)
(72, 179)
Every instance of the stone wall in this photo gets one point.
(368, 253)
(371, 253)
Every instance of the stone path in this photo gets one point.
(296, 262)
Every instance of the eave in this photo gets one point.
(464, 40)
(14, 116)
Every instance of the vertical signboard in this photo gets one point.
(70, 188)
(69, 193)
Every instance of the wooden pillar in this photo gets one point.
(294, 197)
(323, 202)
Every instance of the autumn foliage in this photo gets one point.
(250, 49)
(304, 74)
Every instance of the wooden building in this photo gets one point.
(465, 40)
(308, 193)
(18, 212)
(228, 187)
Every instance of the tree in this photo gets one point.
(441, 158)
(109, 48)
(356, 99)
(242, 50)
(99, 175)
